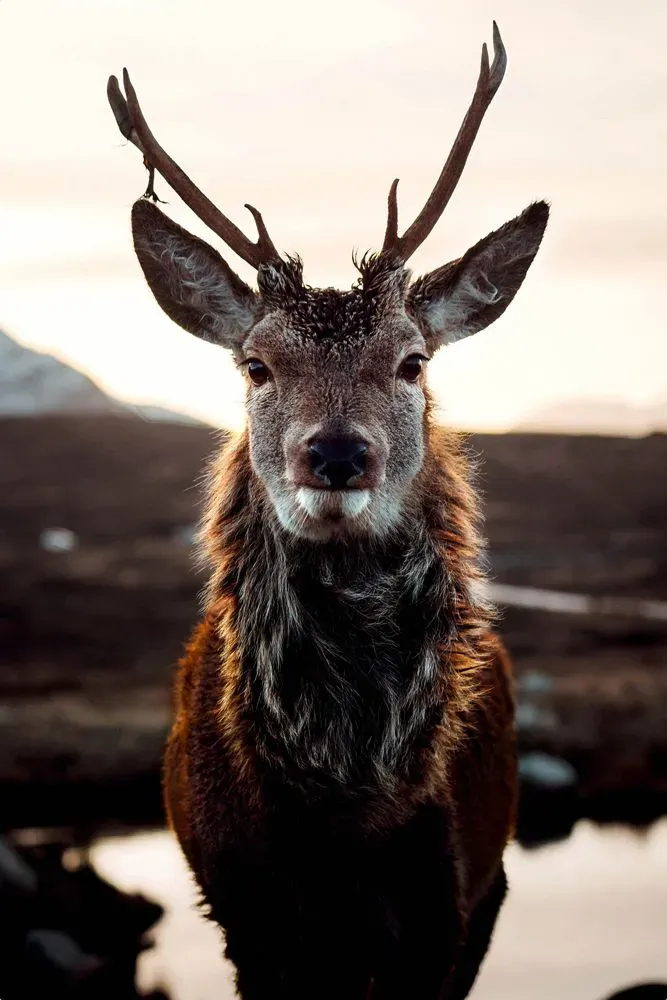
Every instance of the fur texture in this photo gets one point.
(341, 769)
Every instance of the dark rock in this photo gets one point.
(67, 933)
(55, 950)
(543, 771)
(533, 719)
(186, 534)
(533, 682)
(15, 874)
(647, 991)
(58, 540)
(549, 806)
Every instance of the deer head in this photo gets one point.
(337, 401)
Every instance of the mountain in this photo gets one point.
(601, 417)
(33, 382)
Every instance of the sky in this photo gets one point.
(308, 112)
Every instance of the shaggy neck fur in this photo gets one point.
(346, 659)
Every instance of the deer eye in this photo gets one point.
(412, 367)
(257, 371)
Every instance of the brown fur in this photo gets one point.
(234, 811)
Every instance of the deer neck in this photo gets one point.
(340, 646)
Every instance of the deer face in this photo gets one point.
(336, 384)
(336, 401)
(336, 387)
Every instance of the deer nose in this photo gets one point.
(337, 460)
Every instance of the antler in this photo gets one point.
(132, 124)
(487, 85)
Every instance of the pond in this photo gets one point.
(584, 917)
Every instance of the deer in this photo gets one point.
(341, 769)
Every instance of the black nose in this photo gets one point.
(337, 460)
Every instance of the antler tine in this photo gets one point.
(487, 84)
(133, 126)
(121, 112)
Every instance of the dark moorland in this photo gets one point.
(89, 635)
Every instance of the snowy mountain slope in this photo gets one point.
(33, 382)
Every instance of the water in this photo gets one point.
(584, 917)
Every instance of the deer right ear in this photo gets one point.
(191, 281)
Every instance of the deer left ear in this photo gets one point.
(467, 295)
(190, 280)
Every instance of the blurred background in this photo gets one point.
(108, 413)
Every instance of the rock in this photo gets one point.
(66, 932)
(58, 540)
(646, 991)
(547, 772)
(533, 682)
(15, 873)
(57, 950)
(186, 534)
(549, 798)
(531, 718)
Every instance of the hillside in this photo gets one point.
(34, 382)
(89, 634)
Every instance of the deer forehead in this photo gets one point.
(330, 329)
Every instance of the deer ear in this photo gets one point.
(467, 295)
(191, 281)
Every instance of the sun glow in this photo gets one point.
(313, 135)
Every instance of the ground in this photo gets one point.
(89, 635)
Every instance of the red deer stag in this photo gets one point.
(341, 770)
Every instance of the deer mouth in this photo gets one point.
(332, 505)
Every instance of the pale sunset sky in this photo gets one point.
(308, 111)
